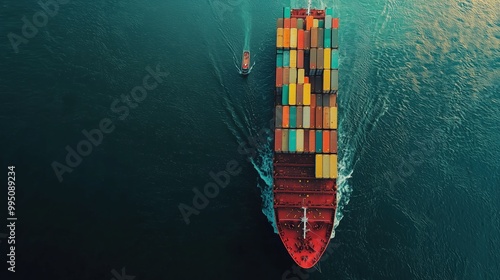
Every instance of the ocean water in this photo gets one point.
(419, 137)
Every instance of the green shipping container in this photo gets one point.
(284, 96)
(284, 140)
(335, 80)
(321, 23)
(286, 59)
(279, 60)
(328, 22)
(335, 59)
(293, 116)
(319, 141)
(329, 12)
(279, 116)
(287, 12)
(335, 38)
(300, 23)
(328, 39)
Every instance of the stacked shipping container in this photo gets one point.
(306, 89)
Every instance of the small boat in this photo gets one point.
(245, 63)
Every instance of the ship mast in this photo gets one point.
(309, 7)
(304, 220)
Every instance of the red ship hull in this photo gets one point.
(305, 146)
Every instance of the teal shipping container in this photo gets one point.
(293, 116)
(287, 12)
(292, 144)
(335, 59)
(329, 12)
(328, 39)
(284, 96)
(319, 141)
(279, 60)
(286, 59)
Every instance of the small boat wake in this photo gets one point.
(240, 71)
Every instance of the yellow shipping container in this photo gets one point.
(315, 23)
(326, 80)
(333, 166)
(293, 38)
(319, 166)
(327, 56)
(333, 117)
(326, 166)
(292, 94)
(286, 37)
(300, 140)
(279, 38)
(293, 57)
(307, 94)
(292, 77)
(300, 76)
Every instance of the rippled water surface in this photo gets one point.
(419, 140)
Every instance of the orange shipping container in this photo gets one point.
(293, 23)
(286, 116)
(279, 77)
(333, 100)
(319, 117)
(286, 38)
(312, 141)
(277, 140)
(306, 80)
(333, 141)
(300, 38)
(309, 22)
(326, 141)
(300, 59)
(313, 100)
(314, 37)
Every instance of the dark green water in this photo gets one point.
(419, 133)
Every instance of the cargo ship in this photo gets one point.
(245, 63)
(305, 143)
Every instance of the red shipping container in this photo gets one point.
(277, 140)
(313, 100)
(319, 117)
(306, 141)
(300, 39)
(333, 141)
(286, 75)
(335, 22)
(293, 23)
(306, 80)
(300, 94)
(279, 77)
(286, 23)
(307, 40)
(326, 141)
(300, 59)
(312, 141)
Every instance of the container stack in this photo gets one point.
(307, 62)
